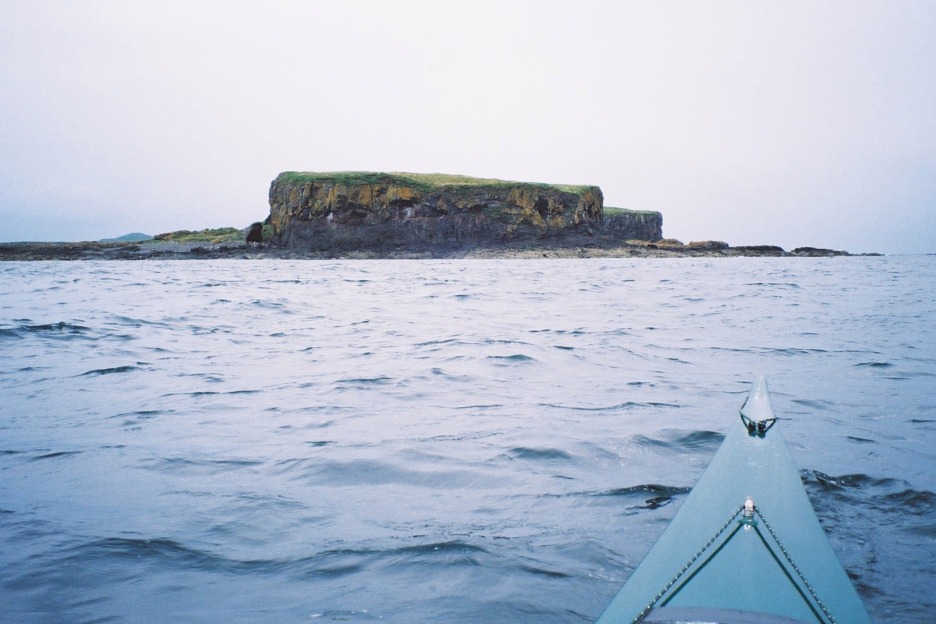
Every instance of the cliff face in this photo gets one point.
(379, 211)
(627, 225)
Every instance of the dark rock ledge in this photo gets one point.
(584, 246)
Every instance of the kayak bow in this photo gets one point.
(745, 547)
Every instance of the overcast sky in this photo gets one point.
(754, 122)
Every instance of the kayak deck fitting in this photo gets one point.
(745, 547)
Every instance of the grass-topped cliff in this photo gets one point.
(424, 181)
(374, 210)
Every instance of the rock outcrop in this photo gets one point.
(379, 211)
(642, 225)
(254, 233)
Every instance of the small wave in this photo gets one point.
(479, 406)
(56, 328)
(198, 330)
(174, 464)
(55, 455)
(438, 548)
(343, 615)
(136, 322)
(920, 501)
(371, 472)
(136, 419)
(204, 393)
(57, 331)
(919, 373)
(627, 405)
(544, 572)
(165, 551)
(9, 333)
(874, 365)
(365, 381)
(501, 341)
(647, 496)
(793, 351)
(515, 358)
(892, 493)
(443, 341)
(560, 332)
(850, 481)
(790, 285)
(110, 371)
(815, 404)
(303, 466)
(341, 562)
(928, 531)
(536, 454)
(648, 488)
(142, 414)
(680, 440)
(271, 305)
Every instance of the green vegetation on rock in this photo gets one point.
(210, 235)
(610, 211)
(423, 181)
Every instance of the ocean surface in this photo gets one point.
(439, 441)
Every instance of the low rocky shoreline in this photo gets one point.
(584, 247)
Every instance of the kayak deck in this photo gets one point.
(745, 546)
(671, 615)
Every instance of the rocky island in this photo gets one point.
(407, 215)
(442, 214)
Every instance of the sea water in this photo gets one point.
(439, 441)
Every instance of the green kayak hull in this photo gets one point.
(745, 546)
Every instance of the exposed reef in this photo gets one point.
(570, 247)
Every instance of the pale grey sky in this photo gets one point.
(755, 122)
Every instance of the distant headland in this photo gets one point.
(406, 215)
